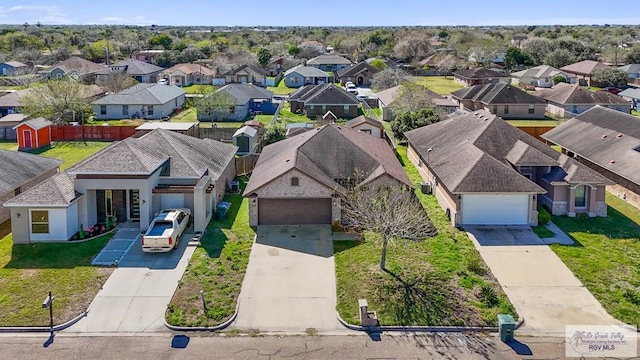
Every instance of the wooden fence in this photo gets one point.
(246, 163)
(536, 131)
(218, 133)
(91, 133)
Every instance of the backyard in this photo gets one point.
(70, 152)
(281, 89)
(438, 84)
(446, 280)
(217, 268)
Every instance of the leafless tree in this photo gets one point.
(23, 76)
(389, 78)
(412, 97)
(117, 81)
(413, 48)
(391, 212)
(58, 100)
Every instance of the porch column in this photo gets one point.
(592, 201)
(571, 206)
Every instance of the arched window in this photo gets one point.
(295, 181)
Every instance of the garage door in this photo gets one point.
(294, 211)
(495, 209)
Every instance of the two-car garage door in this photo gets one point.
(495, 209)
(294, 211)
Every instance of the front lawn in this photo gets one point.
(606, 257)
(438, 84)
(70, 152)
(29, 272)
(199, 89)
(217, 268)
(446, 280)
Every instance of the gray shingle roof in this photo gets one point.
(630, 68)
(328, 59)
(143, 94)
(56, 191)
(134, 67)
(79, 65)
(12, 118)
(469, 154)
(500, 93)
(306, 71)
(388, 96)
(189, 68)
(18, 168)
(37, 123)
(541, 71)
(569, 94)
(478, 73)
(123, 157)
(251, 67)
(633, 93)
(325, 94)
(356, 69)
(363, 120)
(15, 64)
(593, 135)
(584, 67)
(243, 93)
(327, 154)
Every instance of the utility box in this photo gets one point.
(425, 187)
(506, 327)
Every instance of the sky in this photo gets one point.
(316, 13)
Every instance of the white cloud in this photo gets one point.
(130, 20)
(47, 14)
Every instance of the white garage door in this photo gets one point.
(495, 209)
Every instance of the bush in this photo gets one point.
(543, 216)
(488, 296)
(475, 265)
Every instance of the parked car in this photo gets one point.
(163, 82)
(613, 90)
(165, 230)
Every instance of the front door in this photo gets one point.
(134, 204)
(27, 139)
(360, 81)
(110, 203)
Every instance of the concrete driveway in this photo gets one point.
(135, 297)
(540, 286)
(290, 284)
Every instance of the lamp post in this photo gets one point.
(48, 303)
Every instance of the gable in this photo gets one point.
(280, 187)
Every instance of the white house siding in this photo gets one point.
(564, 110)
(57, 225)
(115, 111)
(375, 131)
(5, 213)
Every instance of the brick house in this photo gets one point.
(317, 100)
(501, 99)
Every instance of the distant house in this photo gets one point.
(567, 100)
(632, 71)
(583, 71)
(149, 101)
(11, 102)
(276, 66)
(359, 74)
(247, 98)
(317, 100)
(148, 56)
(294, 129)
(245, 139)
(479, 76)
(76, 67)
(7, 124)
(33, 134)
(141, 71)
(9, 68)
(388, 96)
(632, 95)
(246, 74)
(501, 99)
(187, 74)
(366, 125)
(305, 75)
(21, 171)
(542, 76)
(329, 62)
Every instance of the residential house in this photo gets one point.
(148, 56)
(484, 171)
(246, 98)
(329, 62)
(185, 128)
(607, 141)
(20, 172)
(11, 103)
(567, 100)
(7, 124)
(366, 125)
(300, 180)
(9, 68)
(317, 100)
(479, 76)
(188, 74)
(312, 46)
(294, 129)
(75, 67)
(501, 99)
(633, 73)
(359, 74)
(582, 70)
(148, 101)
(632, 95)
(130, 179)
(305, 75)
(542, 76)
(388, 96)
(276, 66)
(33, 134)
(141, 71)
(246, 74)
(245, 139)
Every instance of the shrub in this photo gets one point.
(488, 296)
(475, 265)
(543, 216)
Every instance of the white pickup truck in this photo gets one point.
(165, 230)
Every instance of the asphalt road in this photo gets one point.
(205, 346)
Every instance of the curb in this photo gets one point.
(24, 329)
(203, 328)
(492, 329)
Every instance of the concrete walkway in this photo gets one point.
(540, 286)
(290, 284)
(135, 297)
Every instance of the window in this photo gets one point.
(293, 80)
(506, 109)
(17, 191)
(346, 109)
(40, 221)
(532, 109)
(581, 196)
(103, 109)
(232, 110)
(495, 109)
(366, 131)
(575, 109)
(150, 110)
(108, 202)
(324, 109)
(295, 181)
(125, 110)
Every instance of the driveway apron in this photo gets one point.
(135, 297)
(540, 286)
(290, 284)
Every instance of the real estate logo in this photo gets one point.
(601, 341)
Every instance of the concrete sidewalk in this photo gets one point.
(290, 284)
(540, 286)
(135, 297)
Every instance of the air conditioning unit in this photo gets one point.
(425, 188)
(234, 186)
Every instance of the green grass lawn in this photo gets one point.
(70, 152)
(29, 272)
(438, 84)
(217, 268)
(287, 117)
(448, 282)
(606, 257)
(533, 123)
(281, 89)
(190, 115)
(199, 89)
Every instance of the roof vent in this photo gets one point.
(619, 135)
(604, 136)
(287, 160)
(612, 161)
